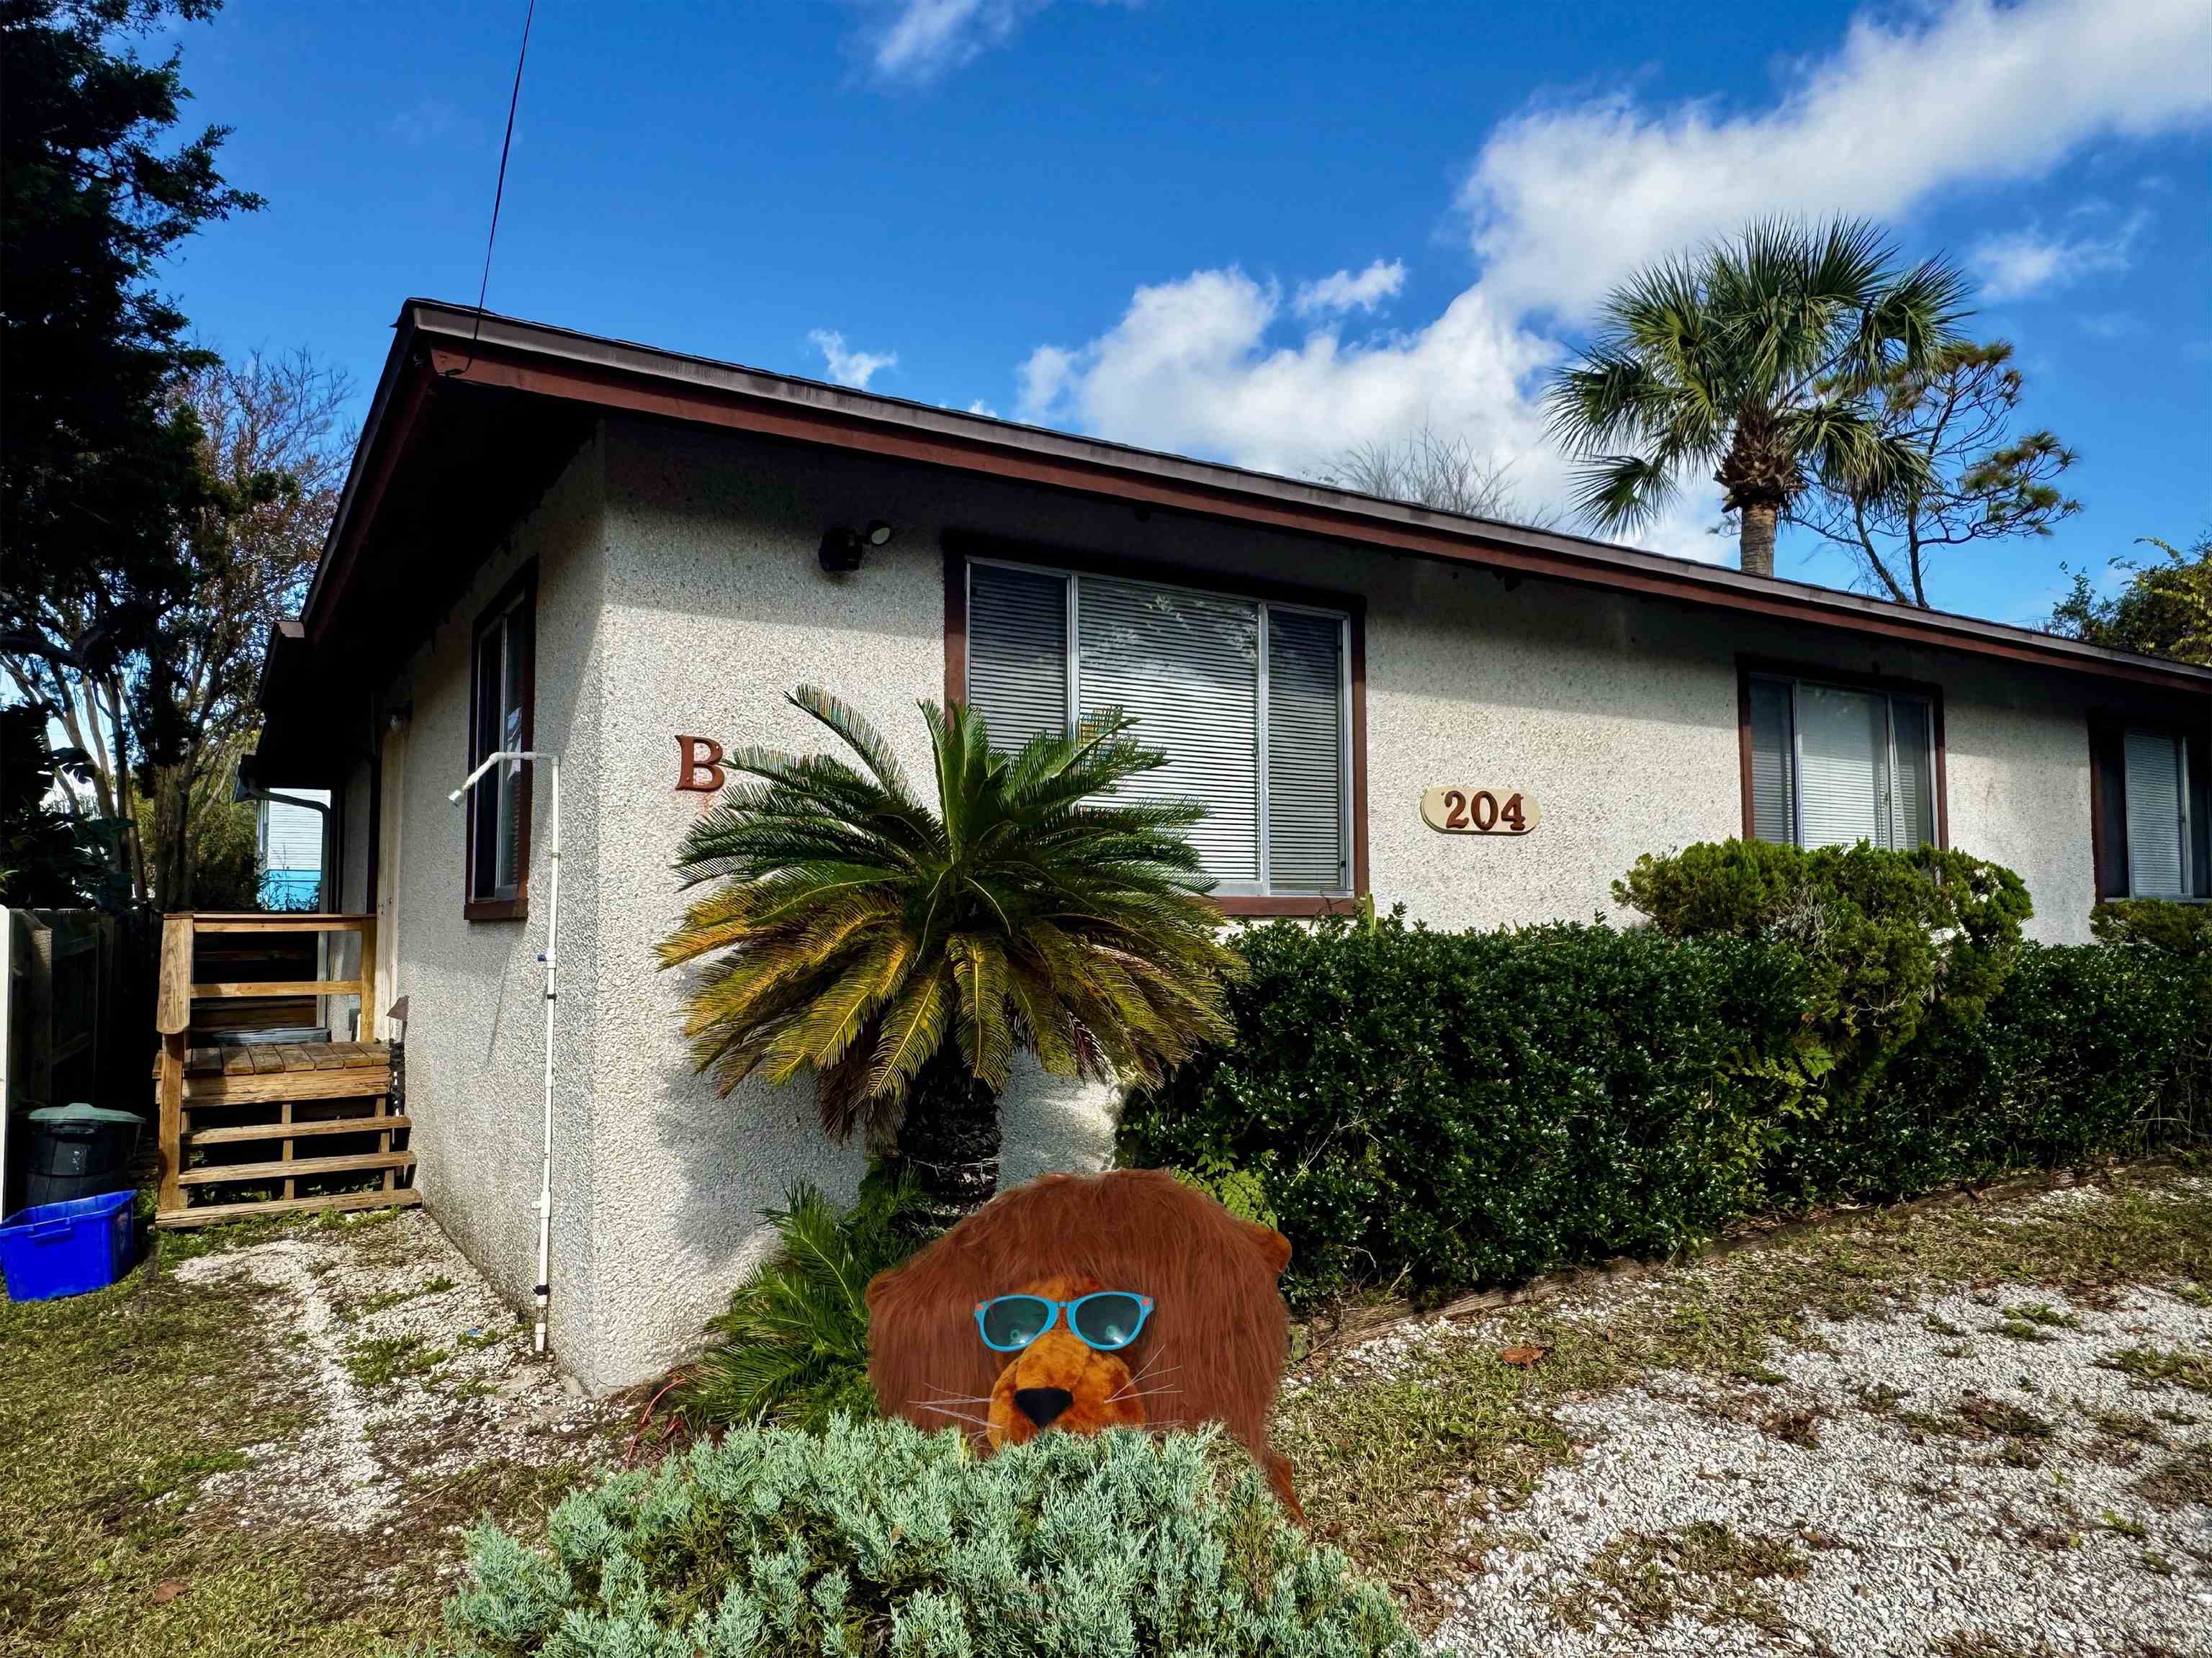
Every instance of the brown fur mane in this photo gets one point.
(1217, 1315)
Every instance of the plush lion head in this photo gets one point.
(1207, 1345)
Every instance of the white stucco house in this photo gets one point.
(628, 555)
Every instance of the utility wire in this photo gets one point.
(499, 190)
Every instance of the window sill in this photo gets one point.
(496, 909)
(1287, 904)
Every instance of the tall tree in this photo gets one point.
(1984, 481)
(2165, 609)
(99, 463)
(1756, 357)
(272, 455)
(903, 956)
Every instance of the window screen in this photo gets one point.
(2157, 827)
(1832, 766)
(1246, 697)
(499, 805)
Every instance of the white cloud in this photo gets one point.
(853, 369)
(1190, 367)
(918, 40)
(2017, 263)
(1343, 291)
(1565, 200)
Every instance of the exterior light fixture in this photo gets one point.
(842, 549)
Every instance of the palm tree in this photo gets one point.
(1754, 357)
(855, 932)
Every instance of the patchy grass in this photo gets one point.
(1646, 1579)
(381, 1360)
(2181, 1480)
(1413, 1456)
(2180, 1369)
(115, 1407)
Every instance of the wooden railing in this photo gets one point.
(176, 991)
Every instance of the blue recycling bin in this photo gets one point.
(54, 1250)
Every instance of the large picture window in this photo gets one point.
(2150, 801)
(1250, 698)
(501, 684)
(1830, 765)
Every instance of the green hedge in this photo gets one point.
(1437, 1109)
(875, 1538)
(1429, 1111)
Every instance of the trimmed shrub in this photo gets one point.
(1437, 1109)
(2184, 930)
(2086, 1052)
(876, 1538)
(1884, 935)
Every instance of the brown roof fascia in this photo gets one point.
(554, 362)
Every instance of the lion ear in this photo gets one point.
(1273, 1246)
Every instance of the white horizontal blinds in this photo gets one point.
(2156, 866)
(1017, 653)
(1912, 801)
(1773, 812)
(1305, 753)
(1185, 667)
(1843, 766)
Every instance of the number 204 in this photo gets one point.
(1478, 811)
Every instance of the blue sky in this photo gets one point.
(1255, 232)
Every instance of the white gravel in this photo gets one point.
(469, 1391)
(1910, 1533)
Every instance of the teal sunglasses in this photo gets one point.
(1104, 1319)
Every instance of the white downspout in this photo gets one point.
(543, 1293)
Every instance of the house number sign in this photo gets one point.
(1459, 810)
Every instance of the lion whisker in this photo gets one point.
(942, 1410)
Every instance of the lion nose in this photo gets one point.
(1042, 1405)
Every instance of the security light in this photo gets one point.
(879, 533)
(842, 550)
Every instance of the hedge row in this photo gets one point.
(1432, 1111)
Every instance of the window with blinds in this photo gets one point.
(1833, 765)
(2156, 768)
(1247, 698)
(500, 719)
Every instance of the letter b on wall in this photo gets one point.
(699, 766)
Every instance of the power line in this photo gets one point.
(499, 190)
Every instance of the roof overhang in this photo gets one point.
(475, 412)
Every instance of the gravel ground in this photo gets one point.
(1969, 1477)
(412, 1368)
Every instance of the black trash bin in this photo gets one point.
(79, 1151)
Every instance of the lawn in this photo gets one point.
(270, 1441)
(177, 1453)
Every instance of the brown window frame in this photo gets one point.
(2107, 725)
(518, 596)
(1748, 667)
(960, 547)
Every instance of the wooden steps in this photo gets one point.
(226, 1103)
(211, 1214)
(294, 1168)
(243, 1133)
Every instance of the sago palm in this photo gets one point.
(1754, 357)
(902, 956)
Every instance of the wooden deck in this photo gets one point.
(248, 1124)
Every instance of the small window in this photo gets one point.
(2151, 810)
(502, 680)
(1832, 765)
(1250, 698)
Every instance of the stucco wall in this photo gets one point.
(475, 1036)
(679, 593)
